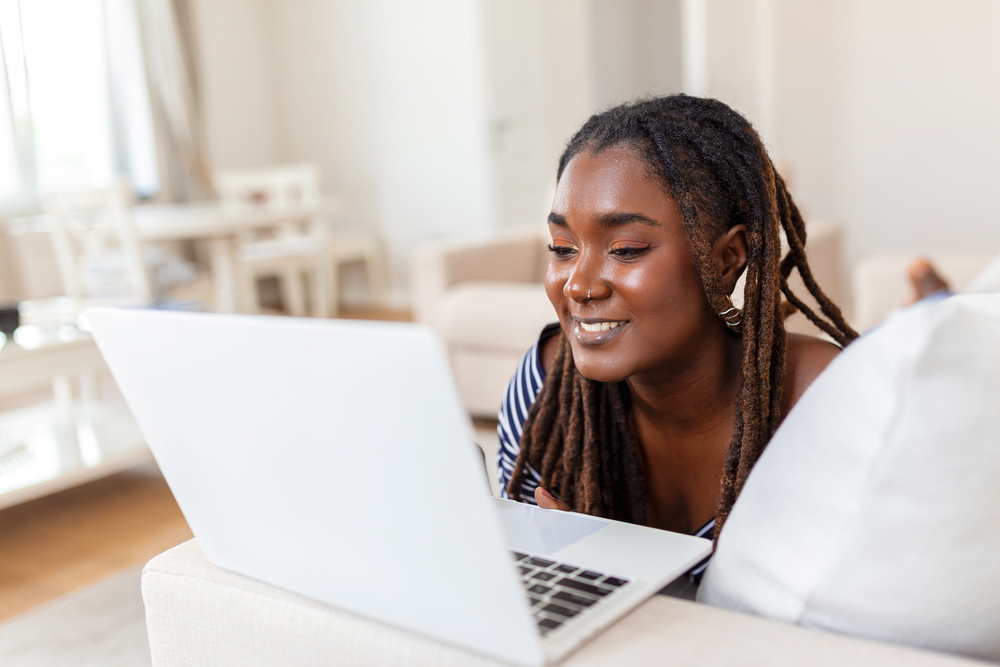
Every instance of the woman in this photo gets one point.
(654, 396)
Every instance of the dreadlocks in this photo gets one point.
(714, 165)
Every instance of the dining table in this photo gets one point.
(219, 226)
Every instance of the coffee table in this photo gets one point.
(81, 432)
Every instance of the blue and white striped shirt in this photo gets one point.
(518, 397)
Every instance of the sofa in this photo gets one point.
(881, 287)
(485, 297)
(891, 459)
(200, 615)
(874, 512)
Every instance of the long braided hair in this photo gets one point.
(714, 165)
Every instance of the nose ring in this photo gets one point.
(588, 295)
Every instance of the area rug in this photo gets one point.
(102, 625)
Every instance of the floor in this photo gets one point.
(62, 542)
(59, 543)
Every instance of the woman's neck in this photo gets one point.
(694, 395)
(683, 421)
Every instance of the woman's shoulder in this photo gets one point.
(805, 358)
(531, 371)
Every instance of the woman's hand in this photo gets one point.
(547, 501)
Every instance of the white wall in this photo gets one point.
(553, 63)
(913, 98)
(446, 117)
(236, 80)
(431, 119)
(636, 49)
(885, 110)
(539, 91)
(387, 95)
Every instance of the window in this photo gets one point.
(74, 106)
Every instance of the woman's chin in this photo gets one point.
(599, 370)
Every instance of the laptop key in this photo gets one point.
(588, 574)
(560, 610)
(614, 581)
(539, 589)
(549, 623)
(582, 586)
(534, 600)
(566, 596)
(540, 562)
(525, 570)
(566, 569)
(518, 555)
(544, 576)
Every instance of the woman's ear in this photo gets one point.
(730, 251)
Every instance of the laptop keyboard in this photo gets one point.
(559, 592)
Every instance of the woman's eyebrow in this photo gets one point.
(610, 220)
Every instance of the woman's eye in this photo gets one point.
(629, 251)
(561, 250)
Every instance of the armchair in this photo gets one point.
(486, 299)
(880, 281)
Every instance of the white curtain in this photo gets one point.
(168, 50)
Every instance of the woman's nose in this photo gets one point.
(584, 285)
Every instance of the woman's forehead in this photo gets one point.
(610, 179)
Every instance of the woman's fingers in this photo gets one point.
(548, 501)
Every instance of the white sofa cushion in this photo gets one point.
(495, 315)
(201, 615)
(875, 510)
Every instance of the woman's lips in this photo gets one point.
(595, 332)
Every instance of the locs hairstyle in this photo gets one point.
(714, 165)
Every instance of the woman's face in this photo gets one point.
(621, 276)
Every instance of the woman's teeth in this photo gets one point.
(600, 326)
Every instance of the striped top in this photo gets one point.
(521, 391)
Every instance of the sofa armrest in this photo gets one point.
(508, 256)
(199, 614)
(881, 285)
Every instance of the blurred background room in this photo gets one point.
(395, 159)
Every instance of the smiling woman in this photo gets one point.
(654, 396)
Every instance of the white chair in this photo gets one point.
(96, 247)
(101, 260)
(97, 253)
(295, 249)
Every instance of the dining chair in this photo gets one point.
(101, 260)
(297, 252)
(96, 246)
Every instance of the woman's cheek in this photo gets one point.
(632, 280)
(555, 280)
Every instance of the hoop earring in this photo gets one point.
(732, 316)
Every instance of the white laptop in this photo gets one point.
(332, 458)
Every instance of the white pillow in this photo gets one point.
(875, 510)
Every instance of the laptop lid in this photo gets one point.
(329, 457)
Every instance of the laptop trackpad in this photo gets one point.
(539, 531)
